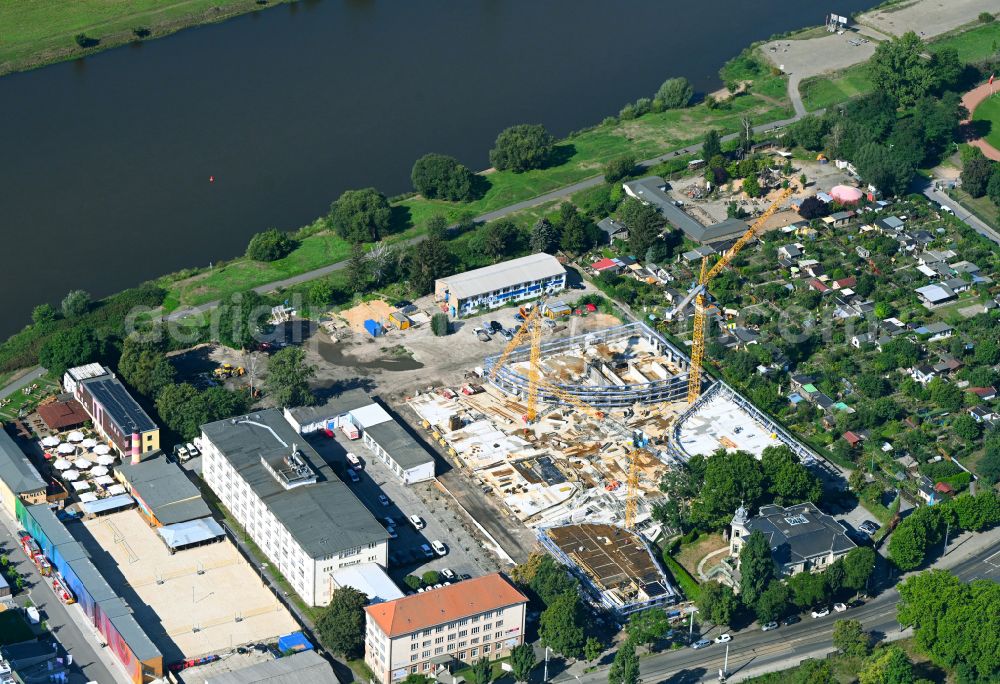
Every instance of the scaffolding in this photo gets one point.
(620, 394)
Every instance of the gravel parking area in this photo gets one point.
(927, 18)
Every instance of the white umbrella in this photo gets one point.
(89, 443)
(105, 460)
(70, 475)
(66, 448)
(102, 449)
(50, 441)
(82, 464)
(75, 436)
(98, 471)
(61, 464)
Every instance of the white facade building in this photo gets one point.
(290, 502)
(511, 281)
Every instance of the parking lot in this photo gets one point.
(443, 519)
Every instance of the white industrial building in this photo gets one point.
(290, 502)
(370, 579)
(386, 438)
(501, 284)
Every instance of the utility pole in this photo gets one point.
(545, 675)
(947, 529)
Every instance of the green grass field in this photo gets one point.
(36, 32)
(973, 45)
(989, 110)
(584, 154)
(820, 92)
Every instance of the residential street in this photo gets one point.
(753, 652)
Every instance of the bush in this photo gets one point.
(986, 17)
(85, 41)
(440, 325)
(619, 168)
(438, 176)
(675, 93)
(76, 303)
(270, 245)
(522, 147)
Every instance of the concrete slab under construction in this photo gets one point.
(721, 423)
(617, 564)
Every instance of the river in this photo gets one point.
(104, 180)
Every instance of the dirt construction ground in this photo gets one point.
(927, 18)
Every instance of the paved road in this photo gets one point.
(22, 381)
(561, 193)
(962, 213)
(753, 652)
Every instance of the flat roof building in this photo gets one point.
(117, 416)
(478, 618)
(307, 667)
(163, 492)
(370, 579)
(651, 190)
(531, 276)
(289, 500)
(18, 478)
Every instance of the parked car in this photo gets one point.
(723, 638)
(507, 335)
(193, 451)
(181, 452)
(822, 612)
(439, 548)
(391, 531)
(839, 607)
(495, 327)
(353, 475)
(426, 551)
(354, 460)
(417, 521)
(383, 499)
(701, 643)
(388, 521)
(791, 620)
(448, 574)
(769, 626)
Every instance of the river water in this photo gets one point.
(105, 162)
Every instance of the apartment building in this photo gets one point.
(477, 618)
(290, 502)
(501, 284)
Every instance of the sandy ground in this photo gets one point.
(205, 588)
(927, 18)
(376, 310)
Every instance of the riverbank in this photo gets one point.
(42, 32)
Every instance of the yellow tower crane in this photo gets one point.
(699, 290)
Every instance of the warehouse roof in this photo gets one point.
(651, 191)
(15, 470)
(439, 606)
(165, 489)
(118, 612)
(503, 275)
(307, 667)
(399, 444)
(370, 579)
(345, 402)
(119, 404)
(324, 517)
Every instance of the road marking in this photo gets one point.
(994, 560)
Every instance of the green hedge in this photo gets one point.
(687, 583)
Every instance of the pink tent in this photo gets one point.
(846, 194)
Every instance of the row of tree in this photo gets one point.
(918, 533)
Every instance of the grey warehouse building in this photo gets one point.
(651, 190)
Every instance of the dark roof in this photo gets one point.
(122, 409)
(324, 517)
(398, 443)
(799, 533)
(120, 615)
(611, 226)
(346, 401)
(15, 470)
(60, 415)
(166, 490)
(306, 667)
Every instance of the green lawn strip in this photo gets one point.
(43, 31)
(19, 400)
(989, 110)
(820, 92)
(973, 44)
(687, 583)
(982, 207)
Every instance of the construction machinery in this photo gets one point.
(228, 370)
(531, 328)
(697, 294)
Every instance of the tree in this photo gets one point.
(497, 238)
(757, 568)
(675, 93)
(717, 603)
(751, 186)
(144, 367)
(240, 319)
(808, 589)
(521, 148)
(644, 224)
(559, 625)
(618, 168)
(887, 666)
(812, 208)
(966, 427)
(788, 480)
(551, 580)
(809, 132)
(899, 70)
(288, 378)
(592, 649)
(482, 671)
(712, 145)
(341, 624)
(322, 293)
(361, 215)
(438, 176)
(882, 167)
(68, 348)
(987, 352)
(945, 395)
(358, 275)
(993, 187)
(431, 577)
(773, 602)
(577, 234)
(270, 245)
(43, 314)
(76, 303)
(544, 236)
(181, 409)
(646, 626)
(625, 668)
(859, 564)
(522, 661)
(731, 480)
(851, 638)
(816, 672)
(440, 324)
(430, 259)
(412, 582)
(914, 536)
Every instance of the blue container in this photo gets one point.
(374, 328)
